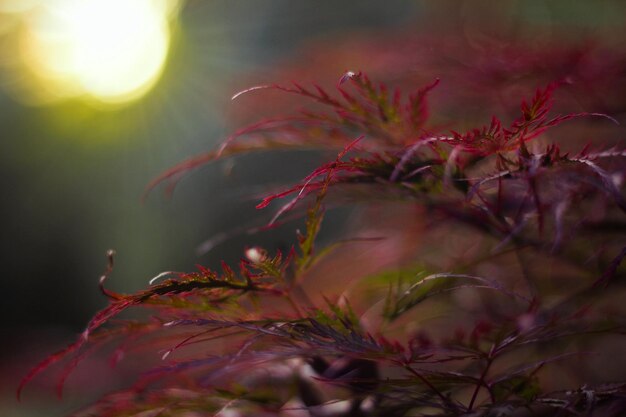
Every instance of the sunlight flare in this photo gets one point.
(112, 51)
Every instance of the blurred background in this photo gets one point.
(97, 97)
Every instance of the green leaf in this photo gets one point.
(403, 299)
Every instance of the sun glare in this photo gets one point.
(112, 51)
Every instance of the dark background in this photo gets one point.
(71, 175)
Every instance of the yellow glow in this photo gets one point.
(110, 50)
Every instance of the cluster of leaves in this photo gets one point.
(496, 356)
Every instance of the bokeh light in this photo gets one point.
(106, 51)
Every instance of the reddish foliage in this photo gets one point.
(517, 243)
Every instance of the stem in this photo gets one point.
(481, 380)
(428, 384)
